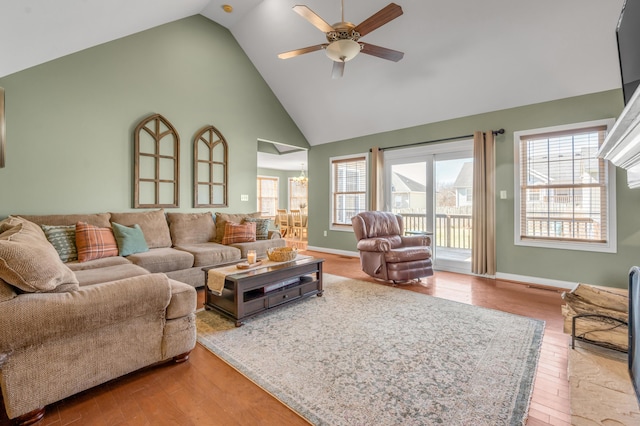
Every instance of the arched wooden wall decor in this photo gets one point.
(210, 168)
(156, 163)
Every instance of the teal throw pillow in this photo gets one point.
(63, 239)
(262, 227)
(130, 239)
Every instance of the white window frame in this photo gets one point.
(345, 227)
(610, 246)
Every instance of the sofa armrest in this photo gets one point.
(32, 318)
(415, 240)
(374, 244)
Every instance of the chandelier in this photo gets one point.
(301, 180)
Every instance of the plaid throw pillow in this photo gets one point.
(239, 233)
(94, 242)
(262, 227)
(63, 239)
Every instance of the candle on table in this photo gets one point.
(251, 256)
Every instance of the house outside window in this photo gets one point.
(267, 195)
(565, 194)
(348, 189)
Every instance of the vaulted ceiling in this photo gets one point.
(461, 57)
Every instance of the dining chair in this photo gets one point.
(283, 221)
(297, 225)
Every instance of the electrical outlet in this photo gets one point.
(325, 233)
(503, 195)
(244, 197)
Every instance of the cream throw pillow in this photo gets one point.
(29, 262)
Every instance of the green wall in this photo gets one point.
(70, 121)
(552, 264)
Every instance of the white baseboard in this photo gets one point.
(537, 281)
(334, 251)
(542, 282)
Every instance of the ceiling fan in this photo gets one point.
(343, 37)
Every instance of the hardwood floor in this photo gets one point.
(206, 391)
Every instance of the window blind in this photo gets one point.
(563, 186)
(267, 195)
(349, 188)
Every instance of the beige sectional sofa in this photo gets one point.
(180, 244)
(68, 326)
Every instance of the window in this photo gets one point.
(348, 188)
(297, 195)
(267, 195)
(565, 194)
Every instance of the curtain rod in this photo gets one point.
(495, 132)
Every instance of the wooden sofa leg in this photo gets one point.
(181, 358)
(30, 417)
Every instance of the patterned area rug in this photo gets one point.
(367, 354)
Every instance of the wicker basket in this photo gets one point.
(282, 254)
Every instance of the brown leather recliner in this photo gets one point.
(387, 254)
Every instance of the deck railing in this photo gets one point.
(455, 230)
(575, 228)
(452, 230)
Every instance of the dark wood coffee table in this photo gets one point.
(250, 292)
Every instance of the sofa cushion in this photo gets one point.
(94, 242)
(183, 300)
(259, 246)
(262, 226)
(63, 239)
(97, 219)
(130, 239)
(153, 223)
(239, 233)
(162, 259)
(98, 263)
(109, 273)
(191, 228)
(222, 218)
(207, 254)
(7, 292)
(29, 262)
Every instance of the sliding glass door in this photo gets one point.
(431, 187)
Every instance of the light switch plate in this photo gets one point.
(244, 197)
(503, 195)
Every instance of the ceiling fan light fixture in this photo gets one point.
(343, 50)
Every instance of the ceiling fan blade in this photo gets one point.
(312, 17)
(381, 52)
(298, 52)
(384, 15)
(338, 69)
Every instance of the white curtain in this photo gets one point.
(483, 260)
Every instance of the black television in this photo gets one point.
(628, 36)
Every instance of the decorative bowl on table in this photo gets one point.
(282, 254)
